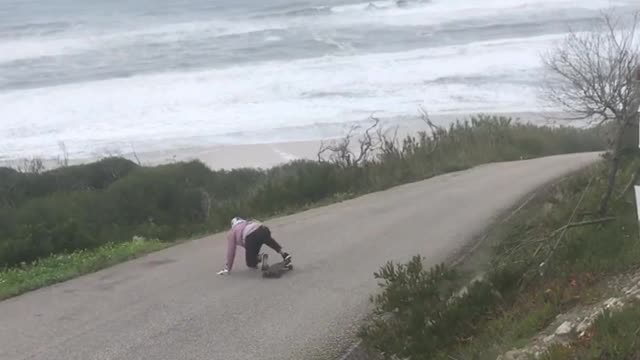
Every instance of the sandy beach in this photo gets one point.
(265, 155)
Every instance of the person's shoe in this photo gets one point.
(286, 258)
(264, 260)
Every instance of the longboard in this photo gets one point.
(276, 270)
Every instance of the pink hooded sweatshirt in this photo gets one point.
(236, 237)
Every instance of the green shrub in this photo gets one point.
(419, 314)
(296, 184)
(17, 188)
(155, 202)
(84, 206)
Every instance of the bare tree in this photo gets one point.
(33, 165)
(135, 155)
(377, 143)
(64, 161)
(594, 77)
(437, 132)
(341, 152)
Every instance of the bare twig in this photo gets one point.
(581, 223)
(514, 250)
(388, 145)
(367, 142)
(64, 162)
(592, 222)
(34, 165)
(135, 155)
(340, 151)
(535, 253)
(436, 130)
(567, 227)
(630, 184)
(564, 231)
(543, 241)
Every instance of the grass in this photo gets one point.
(56, 268)
(528, 296)
(614, 336)
(585, 256)
(87, 206)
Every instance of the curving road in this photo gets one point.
(171, 305)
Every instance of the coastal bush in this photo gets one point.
(419, 312)
(548, 258)
(111, 200)
(19, 187)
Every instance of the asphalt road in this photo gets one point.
(171, 305)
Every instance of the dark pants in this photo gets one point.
(254, 242)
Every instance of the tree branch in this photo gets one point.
(564, 231)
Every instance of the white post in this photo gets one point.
(637, 88)
(637, 202)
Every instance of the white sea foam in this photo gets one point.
(443, 11)
(384, 13)
(364, 6)
(269, 95)
(79, 41)
(273, 38)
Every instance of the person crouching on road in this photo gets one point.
(251, 235)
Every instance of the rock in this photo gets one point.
(588, 321)
(583, 326)
(564, 329)
(548, 339)
(613, 303)
(515, 355)
(633, 291)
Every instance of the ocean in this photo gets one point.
(102, 76)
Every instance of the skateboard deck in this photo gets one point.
(276, 270)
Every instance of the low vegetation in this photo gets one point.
(616, 335)
(61, 267)
(46, 213)
(551, 256)
(557, 251)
